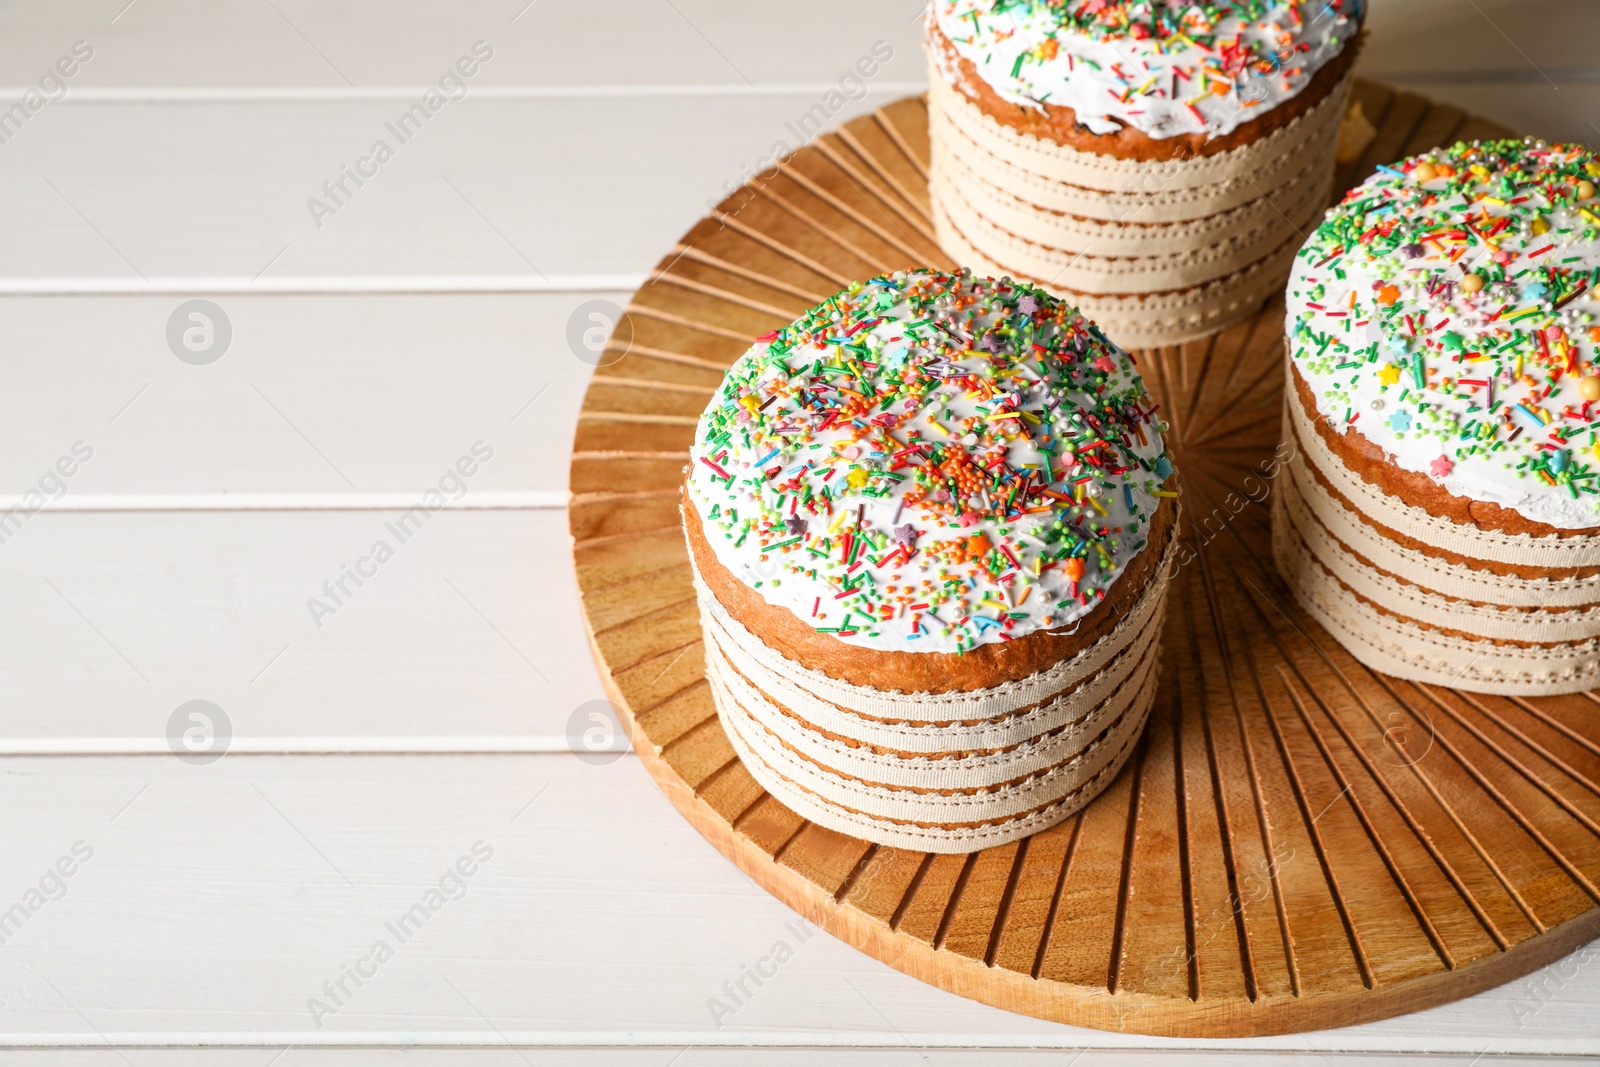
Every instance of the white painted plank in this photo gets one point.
(527, 194)
(302, 44)
(686, 1056)
(219, 899)
(543, 192)
(316, 400)
(468, 638)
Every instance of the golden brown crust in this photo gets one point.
(1060, 124)
(1531, 573)
(1072, 295)
(1503, 642)
(1089, 746)
(1377, 468)
(927, 672)
(1095, 782)
(1423, 548)
(950, 754)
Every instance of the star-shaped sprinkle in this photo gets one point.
(796, 525)
(1389, 373)
(1028, 304)
(1400, 420)
(1441, 467)
(905, 535)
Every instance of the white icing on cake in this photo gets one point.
(1483, 390)
(969, 461)
(1163, 68)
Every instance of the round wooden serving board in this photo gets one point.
(1300, 843)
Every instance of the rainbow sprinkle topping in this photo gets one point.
(1446, 310)
(929, 462)
(1163, 68)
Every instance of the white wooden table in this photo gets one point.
(227, 912)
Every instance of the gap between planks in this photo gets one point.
(504, 500)
(623, 285)
(488, 745)
(409, 94)
(1069, 1040)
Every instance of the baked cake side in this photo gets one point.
(931, 524)
(1155, 167)
(1442, 514)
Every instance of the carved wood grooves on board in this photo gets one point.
(1299, 842)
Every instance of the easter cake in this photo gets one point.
(930, 524)
(1441, 517)
(1154, 163)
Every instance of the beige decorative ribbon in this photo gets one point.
(940, 738)
(947, 772)
(1189, 263)
(1155, 252)
(1481, 619)
(807, 690)
(1522, 550)
(925, 838)
(1151, 319)
(1396, 646)
(1456, 580)
(952, 769)
(1390, 606)
(1301, 198)
(1188, 188)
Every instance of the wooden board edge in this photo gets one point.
(1094, 1008)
